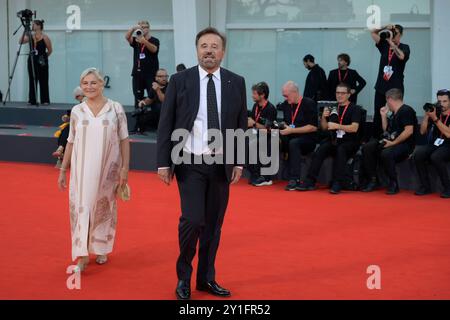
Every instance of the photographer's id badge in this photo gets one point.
(292, 126)
(142, 56)
(439, 142)
(340, 134)
(388, 72)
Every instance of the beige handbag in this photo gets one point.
(124, 193)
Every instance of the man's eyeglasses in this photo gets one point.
(342, 93)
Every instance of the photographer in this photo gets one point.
(263, 114)
(149, 109)
(42, 49)
(394, 56)
(436, 125)
(397, 145)
(346, 75)
(301, 119)
(145, 59)
(342, 143)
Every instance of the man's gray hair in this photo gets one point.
(291, 85)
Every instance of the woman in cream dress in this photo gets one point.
(98, 154)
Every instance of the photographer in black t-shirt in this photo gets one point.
(149, 109)
(436, 125)
(145, 59)
(342, 142)
(261, 117)
(301, 119)
(397, 144)
(394, 56)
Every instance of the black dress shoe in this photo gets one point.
(422, 191)
(445, 194)
(306, 185)
(183, 290)
(336, 188)
(213, 288)
(371, 186)
(392, 188)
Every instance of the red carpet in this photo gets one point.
(275, 245)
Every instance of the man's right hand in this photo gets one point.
(165, 175)
(384, 111)
(250, 122)
(326, 113)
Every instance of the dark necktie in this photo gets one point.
(213, 113)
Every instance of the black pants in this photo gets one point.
(380, 101)
(41, 81)
(341, 152)
(372, 153)
(255, 168)
(141, 82)
(439, 157)
(204, 191)
(297, 147)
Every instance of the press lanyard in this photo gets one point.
(341, 118)
(259, 112)
(294, 115)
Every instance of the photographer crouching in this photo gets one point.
(300, 130)
(261, 117)
(397, 144)
(149, 109)
(436, 125)
(342, 123)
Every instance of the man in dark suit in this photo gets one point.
(199, 100)
(346, 75)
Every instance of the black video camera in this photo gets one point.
(25, 16)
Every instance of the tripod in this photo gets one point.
(26, 24)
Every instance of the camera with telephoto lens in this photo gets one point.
(388, 34)
(431, 107)
(273, 125)
(138, 33)
(387, 136)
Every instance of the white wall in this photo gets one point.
(3, 48)
(440, 45)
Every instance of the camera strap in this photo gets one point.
(340, 76)
(390, 56)
(140, 55)
(294, 115)
(259, 112)
(341, 118)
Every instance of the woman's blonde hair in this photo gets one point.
(93, 71)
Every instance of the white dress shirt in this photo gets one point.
(197, 141)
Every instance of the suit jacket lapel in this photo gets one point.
(226, 89)
(193, 91)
